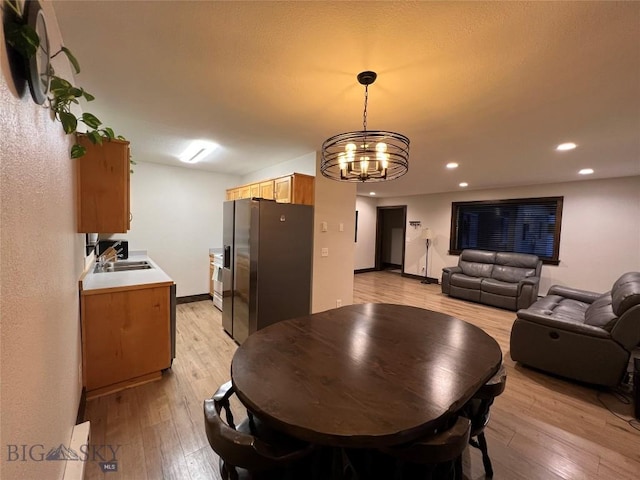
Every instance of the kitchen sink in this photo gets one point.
(122, 266)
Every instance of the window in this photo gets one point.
(524, 225)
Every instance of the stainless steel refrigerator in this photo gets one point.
(267, 264)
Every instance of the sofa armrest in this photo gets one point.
(575, 294)
(530, 281)
(446, 277)
(527, 292)
(451, 270)
(626, 331)
(535, 316)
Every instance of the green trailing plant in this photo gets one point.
(62, 93)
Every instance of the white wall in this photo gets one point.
(177, 218)
(41, 259)
(365, 247)
(305, 164)
(335, 204)
(600, 237)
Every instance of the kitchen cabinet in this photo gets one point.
(126, 336)
(294, 188)
(266, 190)
(103, 178)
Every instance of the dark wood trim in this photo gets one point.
(193, 298)
(555, 260)
(418, 277)
(82, 406)
(428, 280)
(364, 270)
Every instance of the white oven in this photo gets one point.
(217, 279)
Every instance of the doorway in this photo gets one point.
(391, 226)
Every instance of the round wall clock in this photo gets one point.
(38, 65)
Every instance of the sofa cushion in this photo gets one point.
(560, 308)
(476, 263)
(511, 274)
(492, 285)
(600, 313)
(465, 281)
(626, 292)
(520, 260)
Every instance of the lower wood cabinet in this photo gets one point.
(126, 338)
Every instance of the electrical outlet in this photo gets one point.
(324, 252)
(338, 303)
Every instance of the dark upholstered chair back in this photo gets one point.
(241, 445)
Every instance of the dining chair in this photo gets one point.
(478, 411)
(249, 450)
(440, 453)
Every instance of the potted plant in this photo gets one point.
(26, 33)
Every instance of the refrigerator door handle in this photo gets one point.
(227, 256)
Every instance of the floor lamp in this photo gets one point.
(426, 236)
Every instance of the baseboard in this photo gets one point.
(74, 469)
(429, 280)
(364, 270)
(193, 298)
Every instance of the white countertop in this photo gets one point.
(105, 280)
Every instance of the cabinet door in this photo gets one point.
(266, 189)
(125, 335)
(302, 189)
(230, 193)
(282, 187)
(254, 189)
(103, 187)
(245, 192)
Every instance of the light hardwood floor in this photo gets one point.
(541, 427)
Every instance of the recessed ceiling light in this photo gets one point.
(452, 165)
(197, 151)
(563, 147)
(586, 171)
(372, 193)
(463, 184)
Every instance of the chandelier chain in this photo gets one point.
(364, 116)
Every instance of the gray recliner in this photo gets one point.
(582, 335)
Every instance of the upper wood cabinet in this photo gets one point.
(294, 188)
(266, 189)
(103, 178)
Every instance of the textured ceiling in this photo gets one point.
(493, 86)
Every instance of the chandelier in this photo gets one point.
(367, 155)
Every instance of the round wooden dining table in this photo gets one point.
(363, 376)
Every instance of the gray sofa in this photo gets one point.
(502, 279)
(581, 335)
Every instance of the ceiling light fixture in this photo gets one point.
(586, 171)
(563, 147)
(373, 194)
(197, 151)
(451, 165)
(463, 184)
(367, 155)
